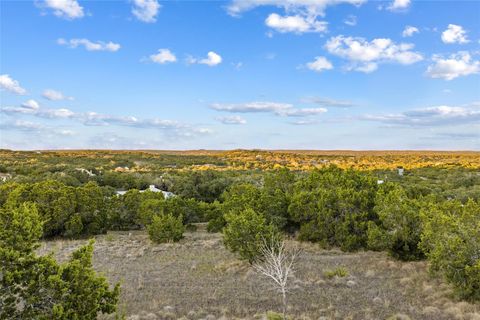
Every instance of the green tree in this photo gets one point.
(245, 233)
(399, 227)
(55, 203)
(37, 287)
(451, 241)
(166, 228)
(333, 207)
(92, 207)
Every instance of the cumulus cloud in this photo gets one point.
(146, 10)
(430, 116)
(279, 109)
(54, 95)
(9, 84)
(454, 66)
(211, 60)
(300, 15)
(409, 31)
(31, 104)
(454, 34)
(320, 64)
(312, 7)
(364, 56)
(163, 56)
(231, 120)
(398, 5)
(90, 45)
(295, 23)
(67, 9)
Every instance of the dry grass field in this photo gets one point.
(198, 279)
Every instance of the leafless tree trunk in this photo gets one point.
(277, 263)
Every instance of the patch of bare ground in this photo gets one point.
(198, 279)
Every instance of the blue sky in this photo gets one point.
(273, 74)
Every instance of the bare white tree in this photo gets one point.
(277, 262)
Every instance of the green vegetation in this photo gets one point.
(245, 233)
(333, 207)
(41, 287)
(166, 228)
(399, 227)
(431, 212)
(451, 240)
(337, 272)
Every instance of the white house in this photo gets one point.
(5, 176)
(152, 188)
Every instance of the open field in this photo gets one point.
(198, 279)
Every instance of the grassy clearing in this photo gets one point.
(198, 279)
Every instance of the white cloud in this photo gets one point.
(9, 84)
(454, 34)
(300, 15)
(351, 20)
(231, 120)
(431, 116)
(89, 45)
(295, 23)
(163, 56)
(459, 64)
(170, 127)
(29, 126)
(304, 122)
(328, 103)
(279, 109)
(211, 60)
(304, 112)
(320, 64)
(397, 5)
(409, 31)
(365, 55)
(54, 95)
(31, 104)
(67, 9)
(146, 10)
(310, 7)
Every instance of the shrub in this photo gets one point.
(337, 272)
(333, 207)
(274, 316)
(451, 241)
(399, 226)
(74, 226)
(166, 228)
(215, 217)
(245, 233)
(44, 288)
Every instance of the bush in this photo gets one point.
(399, 226)
(44, 288)
(333, 207)
(451, 241)
(245, 233)
(215, 217)
(338, 272)
(166, 228)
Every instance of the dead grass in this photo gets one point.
(198, 279)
